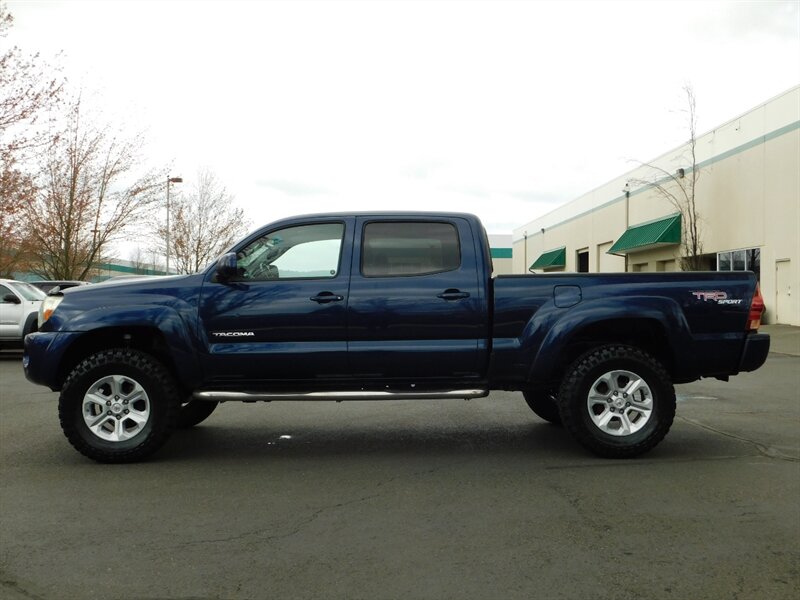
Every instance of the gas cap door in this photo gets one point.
(566, 295)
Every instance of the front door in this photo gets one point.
(284, 317)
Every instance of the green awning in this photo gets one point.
(662, 232)
(551, 259)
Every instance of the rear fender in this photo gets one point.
(548, 338)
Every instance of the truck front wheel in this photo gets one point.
(617, 401)
(118, 405)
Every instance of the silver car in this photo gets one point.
(19, 309)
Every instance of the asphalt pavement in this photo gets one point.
(414, 499)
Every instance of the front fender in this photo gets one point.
(548, 335)
(175, 328)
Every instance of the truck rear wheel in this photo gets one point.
(544, 404)
(118, 405)
(617, 401)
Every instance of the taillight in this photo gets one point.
(756, 310)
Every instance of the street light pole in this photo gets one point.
(170, 180)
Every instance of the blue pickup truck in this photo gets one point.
(387, 306)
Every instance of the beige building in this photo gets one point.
(748, 202)
(500, 246)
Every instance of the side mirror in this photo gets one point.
(11, 299)
(226, 267)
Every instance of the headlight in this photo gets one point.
(47, 307)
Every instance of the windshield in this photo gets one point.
(27, 291)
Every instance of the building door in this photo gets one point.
(583, 261)
(609, 263)
(783, 291)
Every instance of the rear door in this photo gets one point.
(416, 309)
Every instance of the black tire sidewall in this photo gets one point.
(148, 373)
(194, 412)
(544, 404)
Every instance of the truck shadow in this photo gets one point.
(230, 442)
(543, 443)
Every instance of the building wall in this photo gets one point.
(501, 248)
(748, 196)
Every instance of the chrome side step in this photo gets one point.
(225, 396)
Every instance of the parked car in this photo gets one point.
(387, 306)
(48, 286)
(19, 308)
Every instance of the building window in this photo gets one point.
(748, 259)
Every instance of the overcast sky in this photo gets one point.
(502, 109)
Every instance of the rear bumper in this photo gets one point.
(756, 348)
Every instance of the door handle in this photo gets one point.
(325, 297)
(453, 294)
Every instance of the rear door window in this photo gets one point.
(392, 249)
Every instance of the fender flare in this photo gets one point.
(27, 326)
(176, 331)
(548, 339)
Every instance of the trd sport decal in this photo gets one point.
(717, 296)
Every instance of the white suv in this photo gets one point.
(19, 309)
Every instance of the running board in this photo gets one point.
(224, 396)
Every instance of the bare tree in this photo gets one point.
(203, 223)
(16, 191)
(138, 261)
(680, 190)
(89, 195)
(29, 90)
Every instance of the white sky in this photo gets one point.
(502, 109)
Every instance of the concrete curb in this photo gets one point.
(784, 339)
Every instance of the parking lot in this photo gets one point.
(413, 499)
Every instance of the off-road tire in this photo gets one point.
(133, 365)
(574, 401)
(544, 404)
(194, 412)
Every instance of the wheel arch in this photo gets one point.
(148, 339)
(654, 327)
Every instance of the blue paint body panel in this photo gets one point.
(446, 329)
